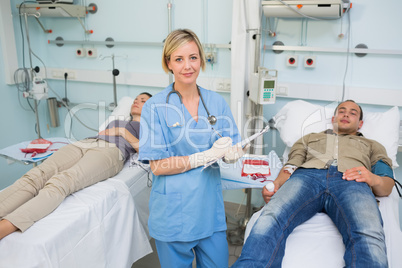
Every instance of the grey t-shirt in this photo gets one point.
(132, 126)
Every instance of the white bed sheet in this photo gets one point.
(103, 225)
(317, 243)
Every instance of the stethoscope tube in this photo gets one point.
(211, 118)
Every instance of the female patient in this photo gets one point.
(71, 168)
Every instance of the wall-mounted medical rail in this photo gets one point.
(274, 47)
(124, 43)
(334, 50)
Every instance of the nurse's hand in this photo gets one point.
(235, 153)
(218, 150)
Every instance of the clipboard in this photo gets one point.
(242, 144)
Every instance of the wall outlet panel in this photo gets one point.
(292, 60)
(91, 53)
(80, 52)
(310, 61)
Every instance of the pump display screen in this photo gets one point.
(269, 84)
(269, 87)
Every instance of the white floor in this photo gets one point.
(234, 214)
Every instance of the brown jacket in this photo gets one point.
(318, 150)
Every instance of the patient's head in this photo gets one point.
(136, 107)
(360, 108)
(347, 118)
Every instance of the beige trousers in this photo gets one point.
(43, 188)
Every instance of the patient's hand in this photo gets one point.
(267, 195)
(381, 186)
(114, 131)
(361, 174)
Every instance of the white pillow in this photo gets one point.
(384, 128)
(121, 112)
(298, 118)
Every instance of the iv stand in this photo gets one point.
(30, 62)
(115, 73)
(257, 112)
(169, 7)
(236, 237)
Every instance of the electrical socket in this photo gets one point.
(310, 62)
(292, 60)
(220, 86)
(80, 52)
(281, 91)
(57, 74)
(91, 53)
(227, 86)
(70, 74)
(60, 74)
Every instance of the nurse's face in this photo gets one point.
(185, 64)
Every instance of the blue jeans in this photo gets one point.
(351, 205)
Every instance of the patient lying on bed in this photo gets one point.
(336, 172)
(73, 167)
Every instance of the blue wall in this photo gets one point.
(128, 21)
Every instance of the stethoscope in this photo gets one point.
(211, 118)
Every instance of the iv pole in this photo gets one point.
(237, 236)
(115, 72)
(169, 7)
(256, 112)
(32, 75)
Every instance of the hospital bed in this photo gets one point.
(317, 242)
(104, 225)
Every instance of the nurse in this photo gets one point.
(178, 136)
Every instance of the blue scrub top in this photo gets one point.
(187, 206)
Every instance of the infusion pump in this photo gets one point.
(262, 88)
(39, 89)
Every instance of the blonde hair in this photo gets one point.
(175, 40)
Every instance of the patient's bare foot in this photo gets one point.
(6, 228)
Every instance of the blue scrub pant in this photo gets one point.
(351, 205)
(210, 252)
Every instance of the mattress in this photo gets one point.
(103, 225)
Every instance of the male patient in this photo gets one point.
(338, 172)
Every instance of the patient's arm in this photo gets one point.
(6, 228)
(283, 176)
(130, 138)
(381, 186)
(123, 132)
